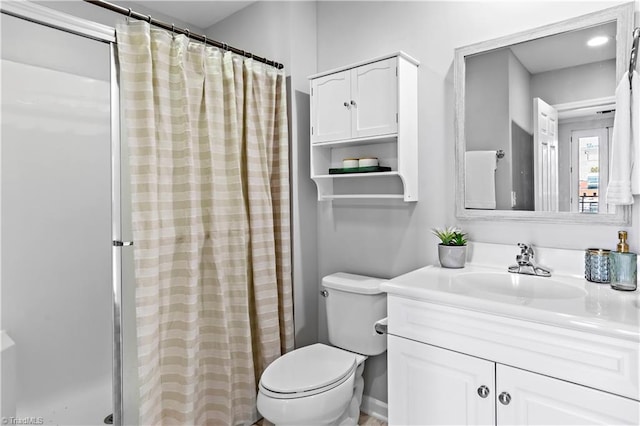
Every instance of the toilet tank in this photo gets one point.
(354, 303)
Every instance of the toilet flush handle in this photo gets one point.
(324, 293)
(380, 326)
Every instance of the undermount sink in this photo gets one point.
(505, 284)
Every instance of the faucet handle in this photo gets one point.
(526, 249)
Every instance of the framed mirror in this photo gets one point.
(534, 118)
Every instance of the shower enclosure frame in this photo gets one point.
(61, 21)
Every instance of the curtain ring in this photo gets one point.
(129, 15)
(205, 40)
(187, 32)
(149, 18)
(173, 30)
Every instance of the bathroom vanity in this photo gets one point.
(479, 345)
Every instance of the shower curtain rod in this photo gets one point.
(170, 27)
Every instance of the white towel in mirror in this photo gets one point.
(480, 180)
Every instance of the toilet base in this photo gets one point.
(352, 413)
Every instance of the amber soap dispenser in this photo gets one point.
(624, 269)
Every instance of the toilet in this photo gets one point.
(321, 384)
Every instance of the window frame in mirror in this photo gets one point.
(623, 15)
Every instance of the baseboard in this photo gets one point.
(374, 408)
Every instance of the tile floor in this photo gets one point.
(364, 420)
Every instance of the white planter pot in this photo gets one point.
(452, 256)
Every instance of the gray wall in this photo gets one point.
(93, 13)
(520, 135)
(520, 103)
(595, 80)
(488, 105)
(387, 238)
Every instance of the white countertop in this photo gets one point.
(597, 308)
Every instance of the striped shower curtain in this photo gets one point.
(207, 133)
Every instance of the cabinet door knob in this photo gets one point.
(324, 293)
(483, 391)
(353, 103)
(346, 104)
(504, 398)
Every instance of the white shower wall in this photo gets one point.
(56, 221)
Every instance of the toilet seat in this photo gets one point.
(308, 371)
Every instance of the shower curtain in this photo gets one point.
(207, 133)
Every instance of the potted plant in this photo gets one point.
(452, 250)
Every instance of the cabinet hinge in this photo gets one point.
(396, 71)
(396, 117)
(312, 91)
(311, 129)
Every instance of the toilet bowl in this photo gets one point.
(321, 384)
(314, 385)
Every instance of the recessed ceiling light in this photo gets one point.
(597, 41)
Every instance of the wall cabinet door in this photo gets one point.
(374, 92)
(331, 108)
(541, 400)
(356, 103)
(433, 386)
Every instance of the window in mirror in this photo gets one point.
(591, 169)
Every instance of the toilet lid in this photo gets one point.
(309, 368)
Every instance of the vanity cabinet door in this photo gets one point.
(331, 107)
(540, 400)
(374, 95)
(433, 386)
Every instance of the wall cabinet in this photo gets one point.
(367, 109)
(430, 384)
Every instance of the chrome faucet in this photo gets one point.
(525, 263)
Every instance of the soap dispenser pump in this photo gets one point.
(623, 247)
(623, 265)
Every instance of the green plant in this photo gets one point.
(450, 236)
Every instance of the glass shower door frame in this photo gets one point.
(61, 21)
(116, 237)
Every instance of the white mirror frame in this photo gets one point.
(623, 15)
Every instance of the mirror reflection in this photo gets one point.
(548, 104)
